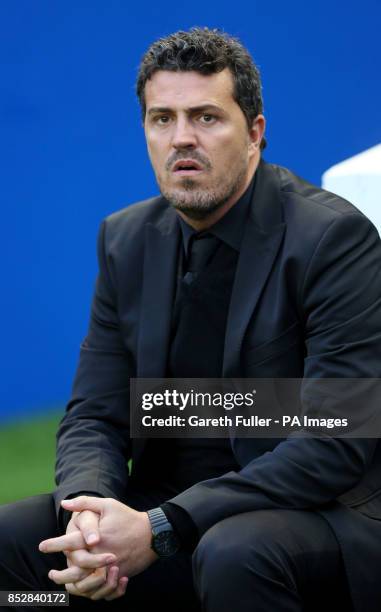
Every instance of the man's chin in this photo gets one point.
(194, 205)
(197, 214)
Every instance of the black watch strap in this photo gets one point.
(158, 520)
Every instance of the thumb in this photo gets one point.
(88, 522)
(84, 502)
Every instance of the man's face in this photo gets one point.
(200, 147)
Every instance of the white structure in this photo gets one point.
(358, 179)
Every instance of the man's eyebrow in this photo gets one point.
(190, 109)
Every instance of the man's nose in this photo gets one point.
(184, 135)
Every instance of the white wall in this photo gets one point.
(358, 179)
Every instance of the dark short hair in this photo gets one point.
(207, 52)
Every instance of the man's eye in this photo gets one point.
(206, 118)
(162, 120)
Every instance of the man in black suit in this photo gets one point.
(239, 269)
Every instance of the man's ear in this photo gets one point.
(256, 133)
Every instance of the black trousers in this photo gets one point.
(263, 561)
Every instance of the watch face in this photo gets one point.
(165, 544)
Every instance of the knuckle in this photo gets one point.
(79, 574)
(73, 557)
(79, 558)
(82, 555)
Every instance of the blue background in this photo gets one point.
(73, 150)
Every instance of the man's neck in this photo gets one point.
(202, 224)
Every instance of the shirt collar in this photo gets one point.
(230, 228)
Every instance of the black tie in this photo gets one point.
(201, 250)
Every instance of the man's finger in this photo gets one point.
(84, 502)
(85, 559)
(71, 574)
(88, 523)
(110, 587)
(93, 582)
(120, 591)
(71, 588)
(70, 541)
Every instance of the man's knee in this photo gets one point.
(221, 550)
(37, 511)
(23, 524)
(254, 543)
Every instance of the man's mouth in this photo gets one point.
(186, 167)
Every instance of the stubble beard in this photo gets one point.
(197, 203)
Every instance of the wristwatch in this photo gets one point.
(164, 540)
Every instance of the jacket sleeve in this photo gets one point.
(340, 303)
(93, 444)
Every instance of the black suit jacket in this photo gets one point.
(306, 302)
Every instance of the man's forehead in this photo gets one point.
(189, 88)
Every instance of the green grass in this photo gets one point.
(27, 455)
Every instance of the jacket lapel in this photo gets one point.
(159, 282)
(261, 241)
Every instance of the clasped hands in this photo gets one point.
(106, 542)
